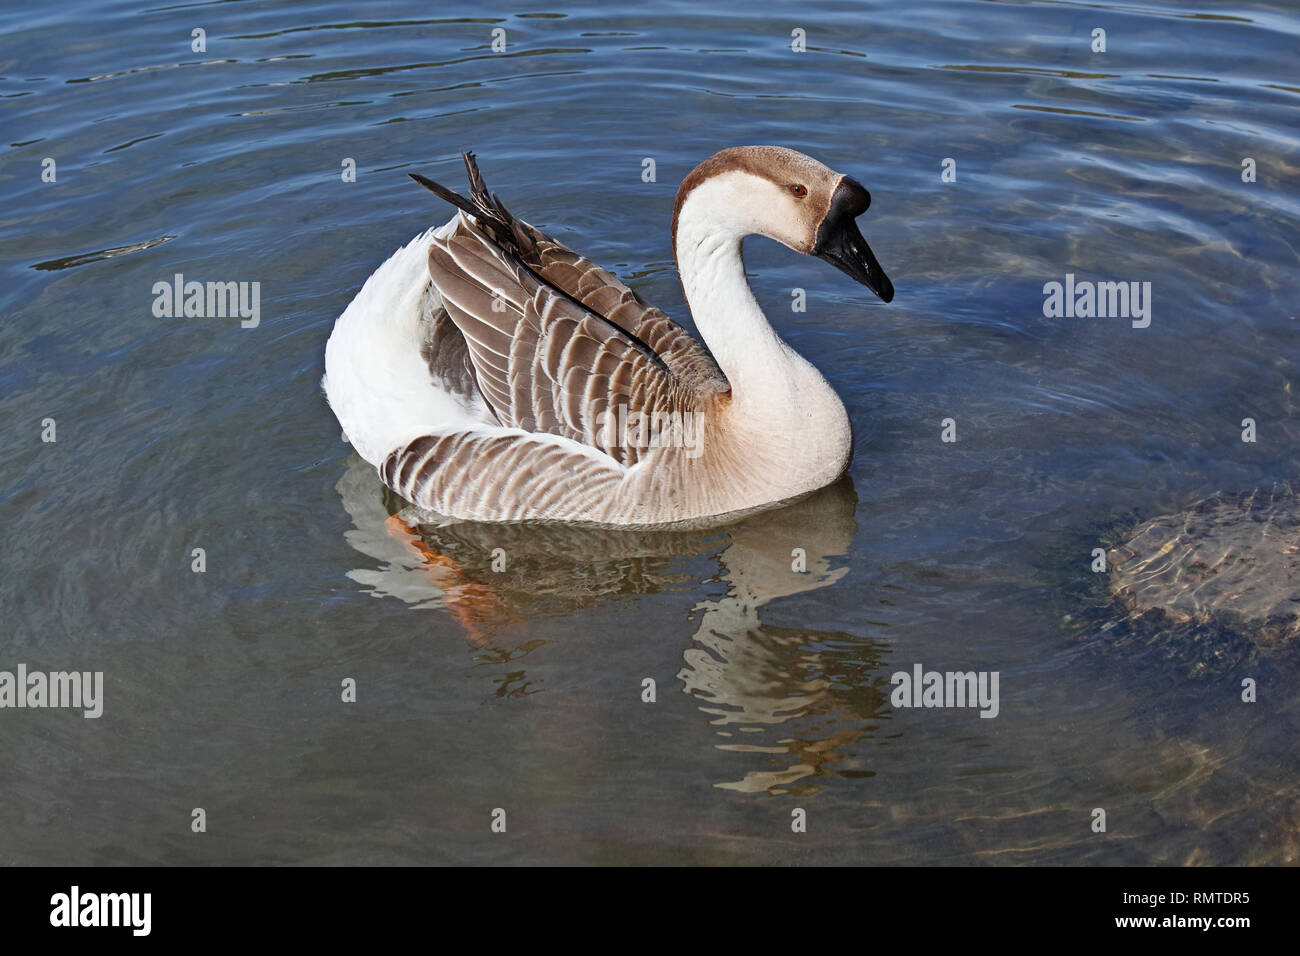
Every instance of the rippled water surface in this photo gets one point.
(522, 689)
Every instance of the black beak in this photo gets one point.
(840, 242)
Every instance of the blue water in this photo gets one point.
(522, 690)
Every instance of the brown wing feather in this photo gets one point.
(501, 476)
(583, 280)
(556, 342)
(602, 293)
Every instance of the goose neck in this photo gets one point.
(728, 317)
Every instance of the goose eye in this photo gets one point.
(799, 191)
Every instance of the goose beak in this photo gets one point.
(840, 242)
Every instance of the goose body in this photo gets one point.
(491, 374)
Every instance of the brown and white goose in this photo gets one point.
(491, 374)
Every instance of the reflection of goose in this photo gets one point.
(492, 374)
(752, 679)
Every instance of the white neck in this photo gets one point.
(729, 318)
(777, 395)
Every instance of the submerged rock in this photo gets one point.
(1230, 558)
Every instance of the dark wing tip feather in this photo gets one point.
(486, 209)
(442, 192)
(477, 187)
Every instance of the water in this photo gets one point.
(522, 689)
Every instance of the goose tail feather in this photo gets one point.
(486, 209)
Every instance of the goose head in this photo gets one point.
(787, 196)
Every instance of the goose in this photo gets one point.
(491, 374)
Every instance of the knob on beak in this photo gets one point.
(840, 242)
